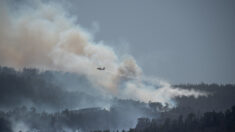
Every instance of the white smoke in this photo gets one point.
(46, 37)
(20, 127)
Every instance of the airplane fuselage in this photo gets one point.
(100, 68)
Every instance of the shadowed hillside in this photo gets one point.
(54, 101)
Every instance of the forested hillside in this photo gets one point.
(58, 101)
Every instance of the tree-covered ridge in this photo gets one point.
(53, 105)
(208, 122)
(55, 90)
(101, 120)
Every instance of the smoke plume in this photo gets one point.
(43, 35)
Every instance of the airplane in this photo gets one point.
(100, 68)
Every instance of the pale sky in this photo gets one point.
(180, 41)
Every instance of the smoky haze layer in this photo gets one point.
(53, 92)
(43, 35)
(47, 91)
(71, 102)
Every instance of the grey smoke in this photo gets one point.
(43, 35)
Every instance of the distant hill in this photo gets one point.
(52, 100)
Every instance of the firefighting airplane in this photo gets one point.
(101, 68)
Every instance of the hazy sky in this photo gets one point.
(180, 41)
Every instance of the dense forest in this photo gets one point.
(46, 101)
(96, 118)
(208, 122)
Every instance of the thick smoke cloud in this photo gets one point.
(43, 35)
